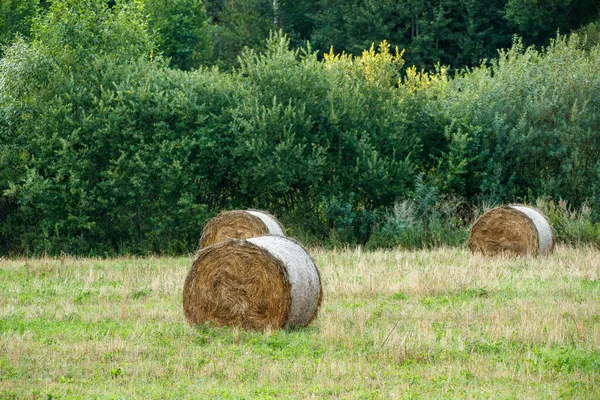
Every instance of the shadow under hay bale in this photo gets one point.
(515, 229)
(259, 283)
(239, 224)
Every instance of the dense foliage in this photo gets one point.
(456, 33)
(16, 17)
(108, 147)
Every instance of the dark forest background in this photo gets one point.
(125, 125)
(194, 33)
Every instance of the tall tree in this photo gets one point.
(239, 24)
(448, 31)
(538, 20)
(297, 19)
(182, 31)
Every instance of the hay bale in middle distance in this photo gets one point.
(259, 283)
(515, 229)
(239, 224)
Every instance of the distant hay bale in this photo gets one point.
(239, 224)
(259, 283)
(514, 229)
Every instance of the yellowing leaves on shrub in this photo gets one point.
(415, 80)
(380, 68)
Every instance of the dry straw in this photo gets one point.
(515, 229)
(239, 224)
(259, 283)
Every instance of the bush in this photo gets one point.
(16, 18)
(573, 226)
(526, 126)
(101, 154)
(342, 122)
(427, 219)
(106, 149)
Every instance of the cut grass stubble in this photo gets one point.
(435, 323)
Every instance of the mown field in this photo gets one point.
(394, 324)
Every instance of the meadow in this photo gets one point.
(393, 324)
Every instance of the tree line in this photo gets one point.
(456, 33)
(107, 148)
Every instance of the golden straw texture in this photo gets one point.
(507, 230)
(238, 224)
(240, 283)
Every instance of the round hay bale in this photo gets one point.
(515, 229)
(239, 224)
(258, 283)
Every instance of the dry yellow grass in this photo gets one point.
(393, 324)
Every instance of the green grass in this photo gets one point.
(394, 324)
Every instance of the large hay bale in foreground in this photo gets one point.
(239, 224)
(259, 283)
(514, 229)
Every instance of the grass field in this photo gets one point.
(394, 324)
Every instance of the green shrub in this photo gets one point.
(97, 162)
(347, 122)
(106, 149)
(16, 18)
(591, 34)
(571, 225)
(527, 125)
(427, 219)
